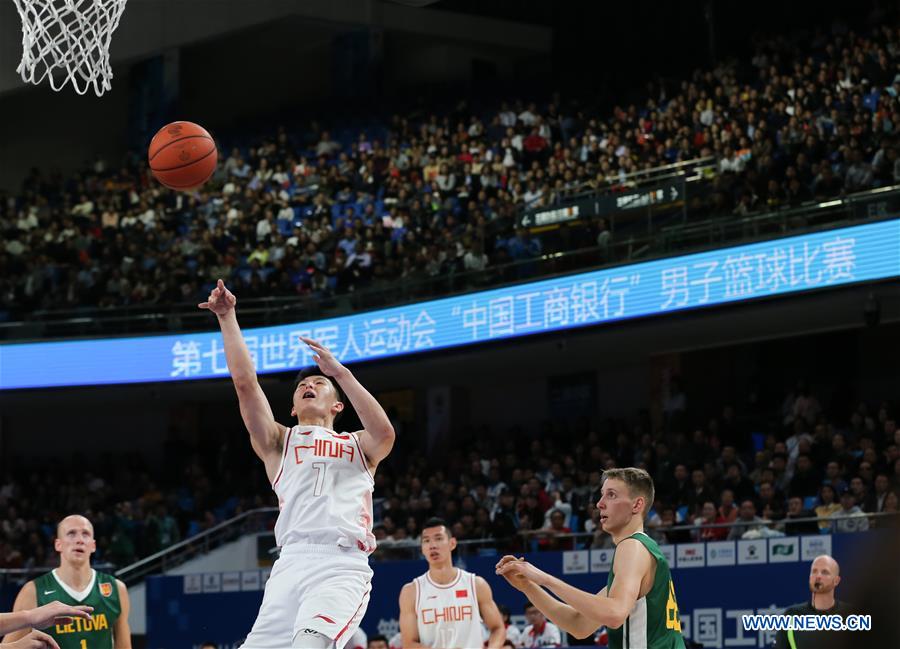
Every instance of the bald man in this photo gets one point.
(77, 584)
(824, 577)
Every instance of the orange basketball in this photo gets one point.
(182, 155)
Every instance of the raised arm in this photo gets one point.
(409, 626)
(266, 434)
(377, 436)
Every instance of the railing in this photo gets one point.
(254, 520)
(529, 540)
(18, 576)
(872, 204)
(696, 167)
(258, 520)
(631, 243)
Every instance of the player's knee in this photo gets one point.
(312, 639)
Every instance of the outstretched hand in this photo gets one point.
(58, 613)
(220, 300)
(519, 573)
(34, 640)
(327, 362)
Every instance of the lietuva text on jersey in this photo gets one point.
(324, 489)
(97, 622)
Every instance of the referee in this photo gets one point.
(824, 577)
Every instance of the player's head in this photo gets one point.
(316, 396)
(377, 642)
(534, 615)
(209, 645)
(75, 540)
(824, 575)
(625, 493)
(438, 542)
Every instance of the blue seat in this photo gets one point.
(810, 502)
(682, 513)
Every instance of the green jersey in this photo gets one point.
(653, 622)
(96, 633)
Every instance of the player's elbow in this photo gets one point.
(615, 618)
(385, 435)
(582, 632)
(583, 627)
(244, 382)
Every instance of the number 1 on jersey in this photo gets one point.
(320, 468)
(84, 644)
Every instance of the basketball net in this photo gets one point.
(68, 40)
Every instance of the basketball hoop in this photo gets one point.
(68, 40)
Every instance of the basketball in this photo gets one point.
(182, 156)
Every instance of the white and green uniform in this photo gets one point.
(653, 622)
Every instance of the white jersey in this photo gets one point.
(448, 614)
(514, 634)
(324, 490)
(548, 636)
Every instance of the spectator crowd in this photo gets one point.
(425, 195)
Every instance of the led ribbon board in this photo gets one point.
(789, 265)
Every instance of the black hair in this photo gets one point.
(377, 638)
(528, 605)
(438, 522)
(315, 371)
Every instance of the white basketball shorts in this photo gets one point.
(320, 587)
